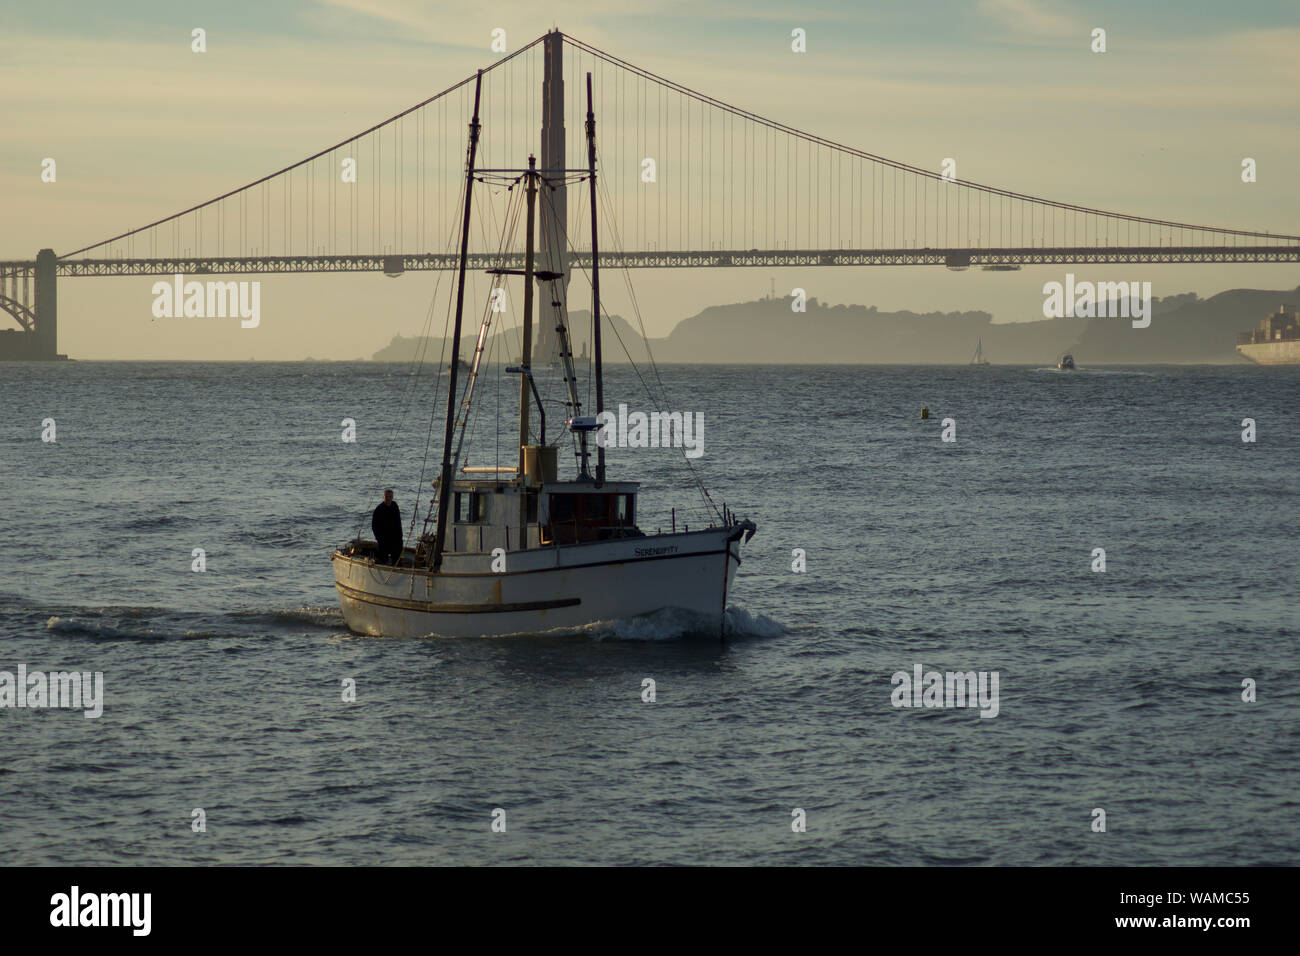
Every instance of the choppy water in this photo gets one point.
(1119, 690)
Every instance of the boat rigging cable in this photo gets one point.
(485, 323)
(710, 508)
(413, 381)
(616, 243)
(467, 407)
(469, 413)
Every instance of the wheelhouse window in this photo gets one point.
(471, 507)
(563, 507)
(595, 509)
(588, 516)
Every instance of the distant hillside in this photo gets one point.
(1183, 329)
(405, 348)
(1192, 330)
(768, 331)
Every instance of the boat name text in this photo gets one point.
(653, 552)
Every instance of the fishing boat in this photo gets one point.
(525, 550)
(979, 358)
(1066, 363)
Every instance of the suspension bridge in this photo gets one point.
(690, 182)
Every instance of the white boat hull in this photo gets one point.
(542, 588)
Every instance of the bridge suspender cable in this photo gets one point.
(904, 167)
(741, 182)
(324, 152)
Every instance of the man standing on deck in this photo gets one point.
(386, 523)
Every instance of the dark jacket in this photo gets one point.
(386, 522)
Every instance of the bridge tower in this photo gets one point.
(36, 310)
(47, 305)
(554, 205)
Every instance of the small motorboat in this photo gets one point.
(1066, 364)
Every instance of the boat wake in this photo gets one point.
(325, 618)
(675, 624)
(161, 624)
(741, 623)
(666, 624)
(1090, 371)
(100, 630)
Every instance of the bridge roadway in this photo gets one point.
(651, 259)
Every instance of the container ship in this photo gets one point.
(1275, 342)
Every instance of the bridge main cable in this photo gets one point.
(302, 162)
(895, 164)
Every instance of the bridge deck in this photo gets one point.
(651, 259)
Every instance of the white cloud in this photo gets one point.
(1031, 16)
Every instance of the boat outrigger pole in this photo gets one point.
(595, 283)
(445, 477)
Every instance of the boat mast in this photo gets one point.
(444, 480)
(526, 363)
(595, 283)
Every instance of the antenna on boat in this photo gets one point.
(444, 479)
(595, 284)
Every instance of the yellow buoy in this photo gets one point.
(925, 413)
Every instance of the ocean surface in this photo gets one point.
(223, 689)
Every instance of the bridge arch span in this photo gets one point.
(20, 312)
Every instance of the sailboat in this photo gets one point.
(979, 358)
(526, 551)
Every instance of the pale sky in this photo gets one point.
(141, 127)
